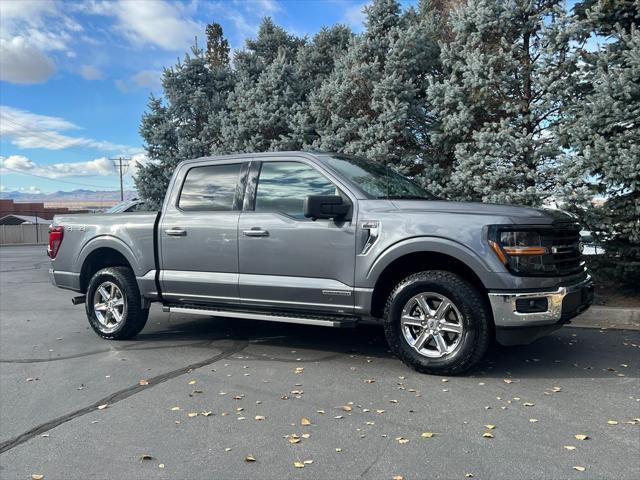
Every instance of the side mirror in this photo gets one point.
(325, 206)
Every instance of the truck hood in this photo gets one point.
(517, 214)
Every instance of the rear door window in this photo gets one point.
(211, 188)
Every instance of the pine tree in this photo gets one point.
(217, 47)
(184, 124)
(500, 99)
(373, 104)
(603, 128)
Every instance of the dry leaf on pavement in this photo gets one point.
(305, 421)
(37, 476)
(427, 435)
(578, 468)
(249, 458)
(145, 456)
(487, 435)
(581, 436)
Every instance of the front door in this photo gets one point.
(199, 234)
(287, 261)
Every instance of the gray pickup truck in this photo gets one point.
(334, 240)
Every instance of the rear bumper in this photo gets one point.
(521, 317)
(67, 280)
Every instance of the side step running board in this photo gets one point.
(323, 321)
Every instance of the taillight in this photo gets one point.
(56, 234)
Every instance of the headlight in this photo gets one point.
(520, 250)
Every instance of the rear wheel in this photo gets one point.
(113, 304)
(437, 322)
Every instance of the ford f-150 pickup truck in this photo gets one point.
(328, 239)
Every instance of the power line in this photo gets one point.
(53, 179)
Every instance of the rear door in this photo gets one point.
(198, 233)
(287, 261)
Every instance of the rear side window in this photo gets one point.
(210, 188)
(283, 186)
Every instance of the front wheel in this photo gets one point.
(113, 304)
(437, 322)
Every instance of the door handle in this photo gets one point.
(255, 232)
(176, 232)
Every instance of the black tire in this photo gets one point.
(476, 322)
(134, 317)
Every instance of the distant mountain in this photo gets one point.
(79, 195)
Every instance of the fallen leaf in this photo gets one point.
(402, 440)
(249, 458)
(102, 407)
(143, 382)
(487, 435)
(346, 408)
(393, 401)
(294, 438)
(397, 477)
(192, 414)
(161, 465)
(260, 417)
(369, 380)
(305, 422)
(612, 422)
(338, 450)
(145, 456)
(581, 436)
(192, 382)
(569, 447)
(206, 413)
(427, 434)
(299, 369)
(37, 476)
(307, 462)
(527, 404)
(338, 417)
(298, 464)
(468, 475)
(380, 411)
(580, 469)
(227, 449)
(533, 420)
(508, 380)
(306, 435)
(321, 412)
(175, 409)
(490, 427)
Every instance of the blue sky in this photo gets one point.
(75, 76)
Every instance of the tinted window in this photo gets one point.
(210, 188)
(283, 186)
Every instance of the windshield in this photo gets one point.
(378, 180)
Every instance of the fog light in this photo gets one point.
(532, 305)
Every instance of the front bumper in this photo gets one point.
(516, 324)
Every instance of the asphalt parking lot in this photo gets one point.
(197, 398)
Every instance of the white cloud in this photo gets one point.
(21, 62)
(151, 22)
(149, 79)
(31, 130)
(20, 164)
(355, 16)
(89, 72)
(29, 32)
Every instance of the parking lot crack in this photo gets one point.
(120, 395)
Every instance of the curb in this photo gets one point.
(608, 317)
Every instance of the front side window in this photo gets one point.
(283, 186)
(210, 188)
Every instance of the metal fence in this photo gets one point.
(25, 233)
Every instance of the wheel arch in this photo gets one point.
(99, 258)
(401, 266)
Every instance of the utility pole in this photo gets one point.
(122, 163)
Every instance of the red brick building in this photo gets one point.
(8, 207)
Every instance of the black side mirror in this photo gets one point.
(325, 206)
